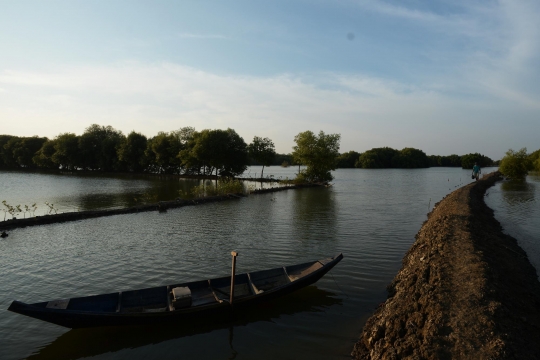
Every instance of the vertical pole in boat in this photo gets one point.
(234, 255)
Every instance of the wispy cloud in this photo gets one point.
(367, 111)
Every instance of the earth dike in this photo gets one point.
(161, 206)
(465, 290)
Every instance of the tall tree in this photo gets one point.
(98, 146)
(19, 151)
(263, 151)
(164, 149)
(318, 152)
(4, 157)
(67, 154)
(222, 150)
(43, 157)
(131, 152)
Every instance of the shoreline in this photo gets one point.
(465, 290)
(161, 206)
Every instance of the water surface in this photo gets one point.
(517, 207)
(369, 215)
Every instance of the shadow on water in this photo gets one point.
(79, 343)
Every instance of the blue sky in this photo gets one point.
(442, 76)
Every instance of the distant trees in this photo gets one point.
(98, 147)
(516, 164)
(221, 150)
(162, 153)
(67, 155)
(408, 158)
(386, 157)
(377, 158)
(445, 161)
(534, 157)
(43, 157)
(132, 152)
(468, 161)
(319, 153)
(103, 148)
(209, 152)
(262, 150)
(348, 159)
(17, 152)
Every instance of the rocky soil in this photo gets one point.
(465, 290)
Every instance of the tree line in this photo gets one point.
(105, 149)
(207, 152)
(408, 158)
(184, 151)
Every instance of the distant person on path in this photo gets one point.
(476, 171)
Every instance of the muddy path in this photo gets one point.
(465, 290)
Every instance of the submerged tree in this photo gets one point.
(516, 164)
(262, 150)
(319, 153)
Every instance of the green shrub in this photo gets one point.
(516, 164)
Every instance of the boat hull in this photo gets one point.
(213, 312)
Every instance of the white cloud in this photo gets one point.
(367, 111)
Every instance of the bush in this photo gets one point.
(224, 187)
(535, 160)
(516, 164)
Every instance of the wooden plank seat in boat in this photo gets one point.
(269, 279)
(296, 272)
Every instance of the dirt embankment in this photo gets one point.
(465, 290)
(161, 206)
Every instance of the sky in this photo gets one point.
(446, 77)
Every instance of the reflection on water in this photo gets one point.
(316, 211)
(516, 207)
(80, 343)
(521, 192)
(370, 216)
(81, 192)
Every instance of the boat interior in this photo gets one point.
(198, 293)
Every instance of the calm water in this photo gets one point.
(369, 215)
(517, 207)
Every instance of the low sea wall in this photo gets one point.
(160, 206)
(466, 290)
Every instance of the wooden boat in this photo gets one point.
(198, 300)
